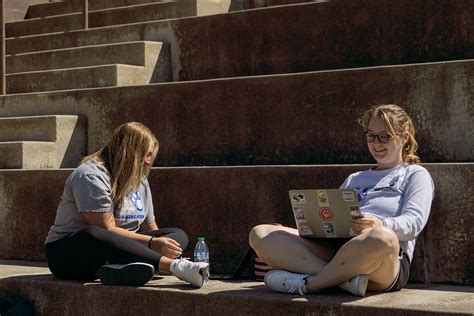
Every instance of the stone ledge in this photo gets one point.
(283, 119)
(165, 295)
(224, 203)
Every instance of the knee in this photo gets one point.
(383, 240)
(257, 236)
(262, 236)
(182, 237)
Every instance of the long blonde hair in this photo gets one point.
(397, 122)
(124, 158)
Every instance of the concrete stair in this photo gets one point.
(27, 155)
(272, 41)
(42, 10)
(129, 53)
(224, 203)
(133, 63)
(284, 119)
(260, 88)
(98, 18)
(38, 142)
(75, 78)
(165, 295)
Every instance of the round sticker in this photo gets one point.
(326, 214)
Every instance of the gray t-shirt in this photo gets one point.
(88, 189)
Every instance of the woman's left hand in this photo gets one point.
(368, 221)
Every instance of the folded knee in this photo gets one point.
(383, 240)
(257, 235)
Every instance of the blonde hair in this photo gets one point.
(397, 122)
(124, 158)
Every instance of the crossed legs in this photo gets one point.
(374, 252)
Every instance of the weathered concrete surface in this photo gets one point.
(68, 134)
(224, 203)
(336, 34)
(185, 7)
(27, 155)
(288, 119)
(250, 4)
(75, 78)
(121, 64)
(165, 295)
(70, 6)
(131, 53)
(106, 17)
(15, 10)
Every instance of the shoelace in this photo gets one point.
(180, 265)
(295, 284)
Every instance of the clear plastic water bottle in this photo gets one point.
(201, 252)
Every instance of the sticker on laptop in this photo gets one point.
(355, 211)
(299, 214)
(305, 230)
(298, 198)
(329, 229)
(322, 196)
(348, 196)
(326, 214)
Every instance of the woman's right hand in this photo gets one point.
(166, 247)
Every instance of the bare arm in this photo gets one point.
(163, 245)
(106, 220)
(148, 226)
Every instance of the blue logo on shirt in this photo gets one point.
(137, 201)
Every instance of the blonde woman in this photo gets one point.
(395, 199)
(105, 224)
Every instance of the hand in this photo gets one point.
(166, 247)
(368, 221)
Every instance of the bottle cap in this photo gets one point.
(200, 238)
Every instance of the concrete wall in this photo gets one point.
(224, 203)
(15, 10)
(291, 119)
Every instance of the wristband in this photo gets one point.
(149, 242)
(384, 223)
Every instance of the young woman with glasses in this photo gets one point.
(105, 224)
(395, 199)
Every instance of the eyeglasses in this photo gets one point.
(382, 138)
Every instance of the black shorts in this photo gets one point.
(403, 270)
(403, 273)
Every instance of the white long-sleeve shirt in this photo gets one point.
(401, 196)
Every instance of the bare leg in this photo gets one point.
(282, 248)
(164, 265)
(373, 252)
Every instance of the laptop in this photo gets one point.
(324, 213)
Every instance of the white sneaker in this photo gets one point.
(196, 273)
(357, 285)
(286, 282)
(136, 273)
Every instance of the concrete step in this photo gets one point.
(224, 203)
(184, 7)
(330, 35)
(98, 18)
(42, 10)
(76, 78)
(131, 53)
(252, 4)
(286, 119)
(27, 155)
(165, 295)
(24, 139)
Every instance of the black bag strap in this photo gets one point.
(246, 259)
